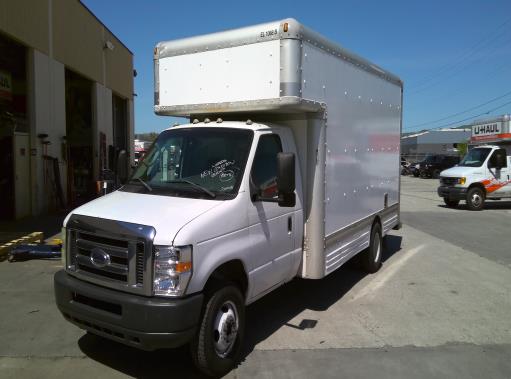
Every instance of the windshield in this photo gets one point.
(194, 162)
(475, 157)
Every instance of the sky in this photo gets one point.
(454, 56)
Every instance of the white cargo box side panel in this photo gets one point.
(362, 139)
(242, 73)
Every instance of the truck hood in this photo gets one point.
(166, 214)
(460, 171)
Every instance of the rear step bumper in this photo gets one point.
(146, 323)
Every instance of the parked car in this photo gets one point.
(433, 165)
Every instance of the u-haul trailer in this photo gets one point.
(289, 167)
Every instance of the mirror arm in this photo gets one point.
(267, 199)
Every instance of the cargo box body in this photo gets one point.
(345, 114)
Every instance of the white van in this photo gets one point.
(288, 168)
(484, 173)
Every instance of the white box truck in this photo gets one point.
(485, 171)
(288, 168)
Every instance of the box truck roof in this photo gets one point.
(272, 67)
(288, 28)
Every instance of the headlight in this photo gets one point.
(172, 270)
(462, 180)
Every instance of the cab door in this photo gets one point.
(499, 175)
(271, 228)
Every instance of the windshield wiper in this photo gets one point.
(195, 185)
(145, 184)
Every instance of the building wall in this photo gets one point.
(26, 21)
(60, 35)
(433, 142)
(77, 39)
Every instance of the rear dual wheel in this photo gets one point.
(371, 258)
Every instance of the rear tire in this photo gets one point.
(372, 256)
(451, 203)
(475, 199)
(436, 174)
(217, 344)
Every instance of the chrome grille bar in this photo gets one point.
(111, 253)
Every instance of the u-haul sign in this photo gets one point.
(487, 131)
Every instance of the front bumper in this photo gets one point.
(147, 323)
(452, 193)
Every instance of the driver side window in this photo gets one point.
(264, 168)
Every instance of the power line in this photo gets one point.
(462, 112)
(469, 118)
(462, 57)
(456, 70)
(486, 76)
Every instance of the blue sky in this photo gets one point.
(452, 55)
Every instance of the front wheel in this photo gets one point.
(475, 199)
(451, 203)
(372, 257)
(217, 344)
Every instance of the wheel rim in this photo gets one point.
(476, 199)
(378, 247)
(225, 329)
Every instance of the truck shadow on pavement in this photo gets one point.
(264, 317)
(488, 205)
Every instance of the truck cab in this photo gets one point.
(483, 174)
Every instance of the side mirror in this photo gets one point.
(498, 159)
(122, 166)
(286, 179)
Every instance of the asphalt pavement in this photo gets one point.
(438, 308)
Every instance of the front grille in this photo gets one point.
(117, 250)
(111, 253)
(448, 181)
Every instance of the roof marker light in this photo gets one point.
(286, 27)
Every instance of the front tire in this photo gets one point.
(475, 199)
(372, 257)
(217, 344)
(451, 203)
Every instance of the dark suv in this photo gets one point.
(434, 164)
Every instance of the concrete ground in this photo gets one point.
(438, 308)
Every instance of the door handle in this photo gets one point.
(289, 225)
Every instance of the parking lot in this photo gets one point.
(439, 307)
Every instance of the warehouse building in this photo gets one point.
(441, 141)
(66, 104)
